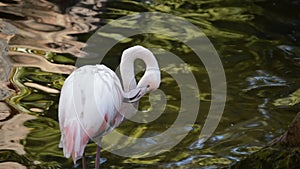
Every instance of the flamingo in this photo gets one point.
(92, 100)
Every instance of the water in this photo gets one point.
(258, 43)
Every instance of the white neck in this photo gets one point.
(127, 64)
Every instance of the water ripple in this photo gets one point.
(264, 79)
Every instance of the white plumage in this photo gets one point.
(92, 96)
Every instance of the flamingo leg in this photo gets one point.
(83, 161)
(97, 160)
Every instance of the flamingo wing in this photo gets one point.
(89, 106)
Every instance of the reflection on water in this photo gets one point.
(258, 42)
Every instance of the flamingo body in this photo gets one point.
(95, 113)
(92, 100)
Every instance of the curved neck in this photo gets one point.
(127, 64)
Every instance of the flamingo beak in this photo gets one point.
(135, 95)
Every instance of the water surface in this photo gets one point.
(257, 41)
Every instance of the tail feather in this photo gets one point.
(73, 140)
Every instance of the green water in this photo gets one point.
(258, 44)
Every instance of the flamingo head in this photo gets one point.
(148, 83)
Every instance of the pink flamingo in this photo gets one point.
(92, 98)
